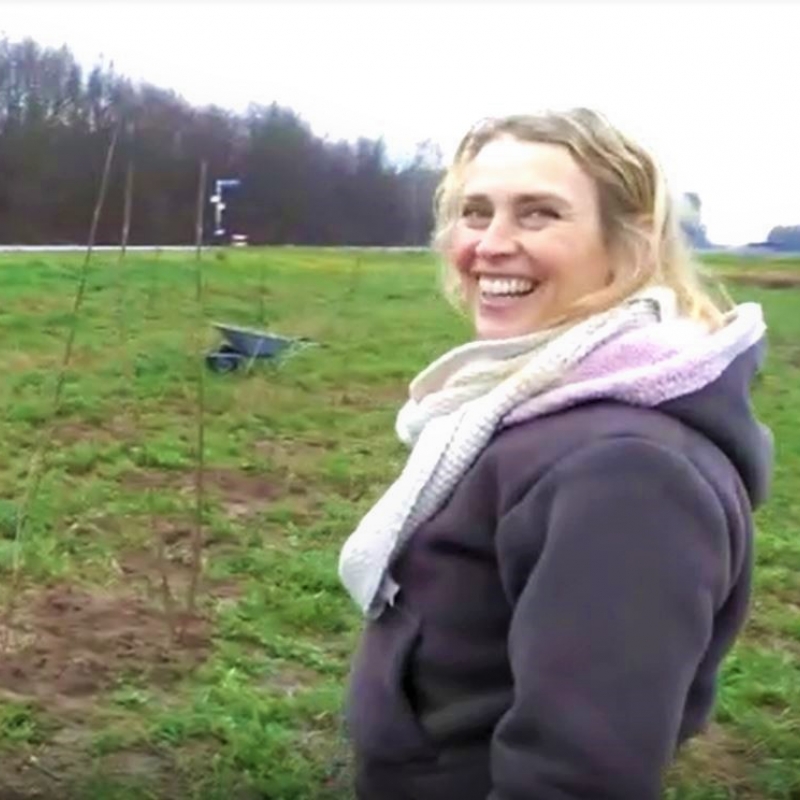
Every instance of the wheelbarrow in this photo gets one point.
(244, 345)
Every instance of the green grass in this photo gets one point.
(248, 705)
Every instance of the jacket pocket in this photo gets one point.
(378, 714)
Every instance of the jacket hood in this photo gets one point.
(703, 378)
(723, 412)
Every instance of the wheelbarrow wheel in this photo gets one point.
(223, 362)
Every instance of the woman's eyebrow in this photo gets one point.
(525, 197)
(541, 197)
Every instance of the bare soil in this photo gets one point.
(69, 642)
(116, 429)
(66, 646)
(720, 758)
(240, 493)
(57, 771)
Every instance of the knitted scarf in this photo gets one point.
(640, 352)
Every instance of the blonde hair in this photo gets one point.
(639, 219)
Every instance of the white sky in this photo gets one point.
(713, 88)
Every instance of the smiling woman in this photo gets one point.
(574, 200)
(551, 584)
(529, 240)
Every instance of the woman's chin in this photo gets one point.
(504, 318)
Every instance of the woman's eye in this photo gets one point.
(539, 212)
(475, 214)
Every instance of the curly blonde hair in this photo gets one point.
(639, 218)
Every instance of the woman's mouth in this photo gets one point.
(502, 291)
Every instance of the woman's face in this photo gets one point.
(528, 241)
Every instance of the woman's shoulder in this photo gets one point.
(553, 436)
(522, 454)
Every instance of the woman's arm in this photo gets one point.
(612, 616)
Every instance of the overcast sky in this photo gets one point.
(713, 89)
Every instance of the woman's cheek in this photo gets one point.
(462, 251)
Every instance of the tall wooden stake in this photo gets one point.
(196, 566)
(126, 228)
(37, 462)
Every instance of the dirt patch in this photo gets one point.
(173, 531)
(95, 524)
(373, 397)
(73, 643)
(113, 430)
(764, 279)
(141, 480)
(766, 637)
(293, 461)
(19, 361)
(294, 451)
(135, 763)
(290, 679)
(239, 493)
(148, 571)
(59, 770)
(719, 757)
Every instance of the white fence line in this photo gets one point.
(77, 248)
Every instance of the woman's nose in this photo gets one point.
(498, 239)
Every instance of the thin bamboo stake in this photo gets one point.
(355, 276)
(198, 228)
(126, 228)
(85, 271)
(158, 535)
(196, 565)
(262, 290)
(126, 222)
(37, 462)
(165, 589)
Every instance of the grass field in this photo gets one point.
(108, 689)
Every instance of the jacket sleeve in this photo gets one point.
(612, 614)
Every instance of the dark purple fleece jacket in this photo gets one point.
(562, 619)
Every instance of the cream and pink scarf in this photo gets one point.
(641, 352)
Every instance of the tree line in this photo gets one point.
(56, 121)
(784, 238)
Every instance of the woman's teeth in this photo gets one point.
(505, 286)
